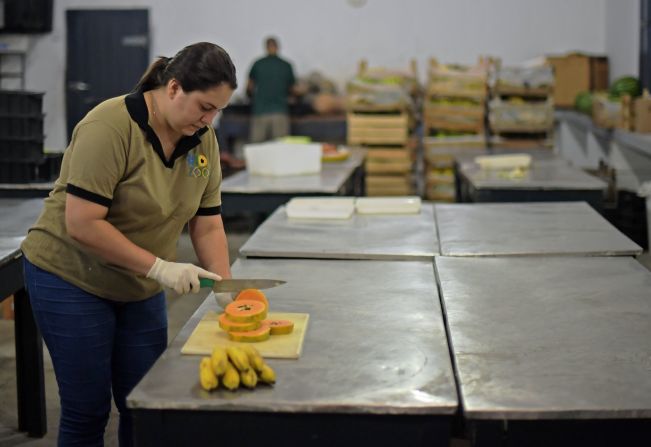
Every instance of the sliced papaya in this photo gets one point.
(260, 334)
(232, 326)
(252, 294)
(246, 311)
(280, 327)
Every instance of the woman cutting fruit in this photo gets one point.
(138, 168)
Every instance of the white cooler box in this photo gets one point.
(282, 159)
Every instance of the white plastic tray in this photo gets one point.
(320, 208)
(388, 205)
(506, 161)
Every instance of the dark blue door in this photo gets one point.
(107, 52)
(645, 44)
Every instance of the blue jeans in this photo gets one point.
(97, 346)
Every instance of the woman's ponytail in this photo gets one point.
(154, 75)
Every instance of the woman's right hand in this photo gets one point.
(181, 277)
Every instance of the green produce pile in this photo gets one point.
(583, 102)
(627, 85)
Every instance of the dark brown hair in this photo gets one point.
(199, 66)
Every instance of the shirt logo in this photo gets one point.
(198, 166)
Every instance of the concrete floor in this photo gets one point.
(180, 308)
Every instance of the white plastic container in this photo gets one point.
(283, 159)
(388, 205)
(506, 161)
(320, 208)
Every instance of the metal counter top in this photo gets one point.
(550, 338)
(548, 228)
(375, 344)
(332, 177)
(16, 216)
(554, 174)
(388, 237)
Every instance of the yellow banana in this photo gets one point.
(267, 375)
(239, 358)
(219, 360)
(231, 378)
(207, 377)
(255, 359)
(249, 378)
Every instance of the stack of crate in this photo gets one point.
(21, 139)
(454, 117)
(521, 109)
(380, 117)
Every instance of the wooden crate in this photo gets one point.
(389, 161)
(380, 129)
(507, 90)
(440, 192)
(458, 81)
(522, 141)
(462, 141)
(439, 176)
(613, 114)
(457, 118)
(388, 166)
(406, 152)
(642, 113)
(389, 185)
(389, 190)
(522, 117)
(410, 75)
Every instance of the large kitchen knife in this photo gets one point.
(236, 285)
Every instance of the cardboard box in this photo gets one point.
(642, 114)
(577, 73)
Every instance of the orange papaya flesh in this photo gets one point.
(246, 311)
(260, 334)
(232, 326)
(252, 294)
(280, 327)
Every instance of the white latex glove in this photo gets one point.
(181, 277)
(223, 299)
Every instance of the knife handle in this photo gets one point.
(206, 282)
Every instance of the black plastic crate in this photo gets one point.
(21, 149)
(51, 168)
(20, 172)
(46, 169)
(21, 126)
(20, 102)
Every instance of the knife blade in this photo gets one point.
(236, 285)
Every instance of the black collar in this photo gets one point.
(137, 108)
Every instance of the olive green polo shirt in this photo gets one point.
(272, 78)
(115, 159)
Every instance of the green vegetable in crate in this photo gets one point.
(583, 102)
(626, 85)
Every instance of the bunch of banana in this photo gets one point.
(233, 366)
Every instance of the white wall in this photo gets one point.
(623, 37)
(331, 35)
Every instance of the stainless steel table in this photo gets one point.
(538, 229)
(551, 350)
(16, 216)
(375, 367)
(243, 192)
(546, 181)
(389, 237)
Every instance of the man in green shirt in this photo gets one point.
(271, 81)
